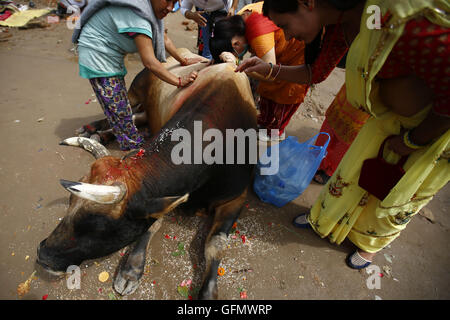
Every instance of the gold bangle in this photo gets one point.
(278, 72)
(271, 70)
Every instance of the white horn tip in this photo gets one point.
(98, 193)
(91, 145)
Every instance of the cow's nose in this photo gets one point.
(43, 260)
(41, 252)
(40, 246)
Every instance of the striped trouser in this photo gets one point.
(112, 95)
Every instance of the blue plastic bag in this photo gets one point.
(297, 164)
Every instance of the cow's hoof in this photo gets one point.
(208, 292)
(124, 285)
(207, 296)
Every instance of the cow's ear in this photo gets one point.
(154, 207)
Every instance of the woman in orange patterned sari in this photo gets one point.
(251, 31)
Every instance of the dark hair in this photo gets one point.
(312, 50)
(222, 33)
(285, 6)
(279, 6)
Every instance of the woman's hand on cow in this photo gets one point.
(227, 57)
(194, 60)
(197, 17)
(254, 64)
(188, 79)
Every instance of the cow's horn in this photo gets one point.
(94, 192)
(94, 147)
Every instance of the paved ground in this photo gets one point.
(43, 100)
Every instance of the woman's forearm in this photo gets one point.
(158, 69)
(145, 48)
(431, 128)
(296, 74)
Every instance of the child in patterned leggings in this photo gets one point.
(111, 29)
(111, 93)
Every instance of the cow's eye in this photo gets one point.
(92, 224)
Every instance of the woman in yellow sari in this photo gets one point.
(398, 72)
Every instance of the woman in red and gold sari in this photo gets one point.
(251, 31)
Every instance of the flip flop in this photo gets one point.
(323, 177)
(86, 129)
(102, 137)
(355, 261)
(301, 221)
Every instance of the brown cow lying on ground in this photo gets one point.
(121, 201)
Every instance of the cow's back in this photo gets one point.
(219, 99)
(162, 100)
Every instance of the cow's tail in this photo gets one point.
(137, 91)
(134, 98)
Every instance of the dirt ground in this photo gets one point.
(43, 100)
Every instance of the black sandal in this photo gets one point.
(321, 177)
(103, 137)
(86, 129)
